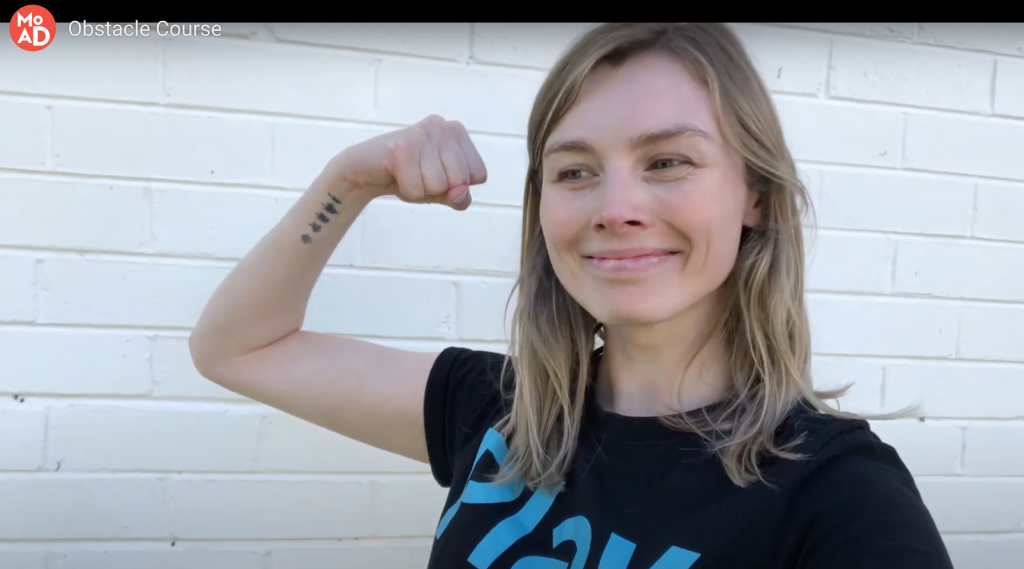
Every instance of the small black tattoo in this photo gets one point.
(336, 200)
(323, 218)
(306, 239)
(329, 208)
(315, 226)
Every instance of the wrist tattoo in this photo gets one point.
(321, 216)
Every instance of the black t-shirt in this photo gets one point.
(643, 496)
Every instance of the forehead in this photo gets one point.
(648, 93)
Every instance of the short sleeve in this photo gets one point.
(861, 508)
(462, 400)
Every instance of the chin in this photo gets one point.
(636, 309)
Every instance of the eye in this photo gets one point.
(570, 175)
(662, 163)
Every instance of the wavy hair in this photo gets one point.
(765, 323)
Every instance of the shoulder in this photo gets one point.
(842, 456)
(465, 395)
(853, 502)
(826, 440)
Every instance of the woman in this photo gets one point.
(661, 215)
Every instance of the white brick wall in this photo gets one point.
(134, 172)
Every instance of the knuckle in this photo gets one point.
(420, 133)
(434, 122)
(396, 147)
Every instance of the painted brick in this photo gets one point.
(268, 78)
(108, 438)
(441, 40)
(996, 213)
(305, 509)
(175, 376)
(959, 269)
(92, 362)
(23, 560)
(851, 199)
(17, 292)
(438, 237)
(214, 223)
(956, 390)
(251, 30)
(302, 150)
(30, 150)
(289, 444)
(789, 61)
(84, 291)
(987, 447)
(910, 75)
(992, 332)
(243, 144)
(533, 44)
(481, 309)
(24, 438)
(825, 132)
(91, 216)
(507, 161)
(865, 378)
(1002, 37)
(112, 68)
(974, 505)
(985, 147)
(845, 262)
(37, 507)
(926, 448)
(1009, 94)
(356, 304)
(149, 144)
(988, 551)
(899, 31)
(409, 554)
(225, 223)
(163, 558)
(811, 177)
(882, 327)
(138, 294)
(408, 92)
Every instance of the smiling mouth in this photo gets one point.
(630, 260)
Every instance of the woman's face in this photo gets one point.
(642, 203)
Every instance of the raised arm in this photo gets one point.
(249, 338)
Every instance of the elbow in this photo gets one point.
(205, 357)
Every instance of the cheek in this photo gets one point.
(711, 217)
(560, 222)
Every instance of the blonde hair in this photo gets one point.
(765, 324)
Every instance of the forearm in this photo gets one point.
(264, 298)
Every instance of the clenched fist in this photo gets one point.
(433, 161)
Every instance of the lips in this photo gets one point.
(629, 261)
(626, 254)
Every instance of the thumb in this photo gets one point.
(458, 198)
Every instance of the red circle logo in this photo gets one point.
(33, 28)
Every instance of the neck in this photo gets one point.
(670, 367)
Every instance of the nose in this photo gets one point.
(621, 204)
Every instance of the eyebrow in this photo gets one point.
(635, 142)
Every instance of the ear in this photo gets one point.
(752, 209)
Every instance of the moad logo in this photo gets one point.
(33, 28)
